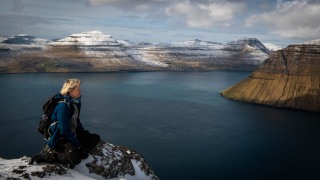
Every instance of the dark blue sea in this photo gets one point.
(178, 121)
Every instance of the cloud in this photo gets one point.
(193, 13)
(130, 5)
(17, 6)
(205, 14)
(291, 19)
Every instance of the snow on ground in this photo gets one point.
(107, 155)
(16, 168)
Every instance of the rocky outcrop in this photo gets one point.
(289, 78)
(94, 51)
(106, 161)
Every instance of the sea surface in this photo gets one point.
(177, 120)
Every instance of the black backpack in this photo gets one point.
(45, 121)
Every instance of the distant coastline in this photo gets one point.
(94, 51)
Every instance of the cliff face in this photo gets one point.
(289, 78)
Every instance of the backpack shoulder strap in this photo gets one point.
(64, 101)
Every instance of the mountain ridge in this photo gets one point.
(93, 51)
(96, 36)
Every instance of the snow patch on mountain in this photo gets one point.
(125, 42)
(315, 42)
(90, 38)
(143, 54)
(246, 44)
(197, 42)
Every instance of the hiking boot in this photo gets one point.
(84, 153)
(50, 157)
(66, 160)
(38, 158)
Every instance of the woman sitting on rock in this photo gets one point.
(69, 142)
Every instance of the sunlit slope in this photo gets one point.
(289, 78)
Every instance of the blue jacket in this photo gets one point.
(62, 114)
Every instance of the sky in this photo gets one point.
(279, 22)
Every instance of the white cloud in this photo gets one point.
(205, 14)
(291, 19)
(193, 13)
(130, 5)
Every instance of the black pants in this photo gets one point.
(88, 140)
(68, 153)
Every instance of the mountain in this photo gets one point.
(247, 45)
(197, 55)
(289, 78)
(94, 51)
(90, 38)
(106, 161)
(198, 42)
(23, 39)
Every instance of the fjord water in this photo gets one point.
(177, 121)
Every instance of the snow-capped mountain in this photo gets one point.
(99, 49)
(199, 55)
(90, 38)
(94, 51)
(24, 39)
(252, 44)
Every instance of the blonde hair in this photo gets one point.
(69, 85)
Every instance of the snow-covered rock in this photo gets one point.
(315, 42)
(104, 162)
